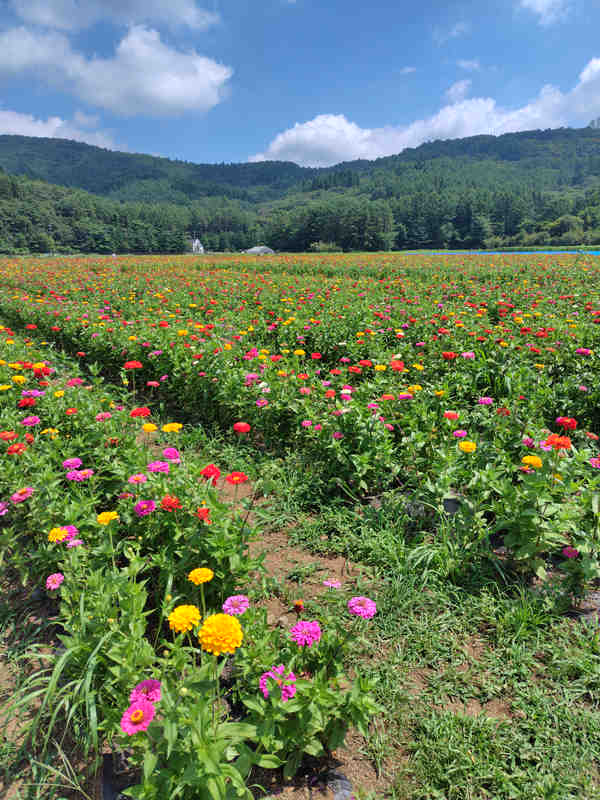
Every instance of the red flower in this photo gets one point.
(364, 362)
(170, 503)
(26, 402)
(449, 355)
(503, 411)
(29, 437)
(132, 365)
(315, 356)
(558, 442)
(71, 411)
(143, 411)
(31, 327)
(589, 434)
(8, 436)
(236, 477)
(568, 423)
(203, 513)
(112, 442)
(211, 472)
(17, 448)
(396, 365)
(241, 427)
(453, 415)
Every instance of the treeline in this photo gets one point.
(39, 217)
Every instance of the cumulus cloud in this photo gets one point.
(548, 11)
(443, 35)
(331, 138)
(458, 91)
(145, 76)
(12, 122)
(471, 65)
(69, 15)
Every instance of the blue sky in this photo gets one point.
(311, 81)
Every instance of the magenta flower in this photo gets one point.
(236, 605)
(485, 401)
(158, 466)
(21, 495)
(583, 351)
(74, 382)
(337, 435)
(332, 584)
(138, 477)
(287, 683)
(405, 396)
(595, 462)
(469, 354)
(305, 634)
(74, 542)
(144, 507)
(261, 402)
(3, 509)
(146, 690)
(528, 441)
(172, 455)
(137, 717)
(54, 581)
(72, 463)
(570, 552)
(459, 434)
(362, 607)
(29, 422)
(103, 415)
(306, 423)
(79, 475)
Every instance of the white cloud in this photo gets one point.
(331, 138)
(12, 122)
(407, 70)
(443, 35)
(458, 91)
(145, 76)
(71, 15)
(548, 11)
(471, 65)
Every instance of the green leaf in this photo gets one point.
(150, 761)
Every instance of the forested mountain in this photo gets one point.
(524, 189)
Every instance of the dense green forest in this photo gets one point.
(521, 189)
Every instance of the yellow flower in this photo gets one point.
(19, 378)
(414, 388)
(59, 393)
(419, 367)
(439, 392)
(183, 618)
(380, 367)
(299, 353)
(221, 633)
(467, 447)
(58, 534)
(107, 517)
(532, 461)
(201, 575)
(149, 427)
(5, 387)
(539, 366)
(39, 365)
(172, 427)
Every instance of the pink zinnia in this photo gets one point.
(583, 351)
(29, 422)
(172, 454)
(72, 463)
(21, 495)
(236, 605)
(306, 633)
(570, 552)
(146, 690)
(103, 415)
(285, 682)
(137, 717)
(144, 507)
(460, 434)
(74, 542)
(362, 607)
(332, 584)
(158, 466)
(54, 581)
(138, 477)
(485, 401)
(306, 423)
(595, 462)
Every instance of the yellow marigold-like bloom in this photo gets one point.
(532, 461)
(39, 365)
(19, 378)
(419, 367)
(439, 392)
(106, 517)
(149, 427)
(58, 534)
(414, 387)
(299, 352)
(380, 367)
(183, 618)
(5, 387)
(221, 633)
(201, 575)
(539, 366)
(172, 427)
(59, 393)
(467, 447)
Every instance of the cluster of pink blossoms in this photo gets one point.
(141, 711)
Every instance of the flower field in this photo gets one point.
(433, 418)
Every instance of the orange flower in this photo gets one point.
(558, 442)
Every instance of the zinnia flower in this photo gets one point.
(211, 472)
(467, 447)
(30, 421)
(172, 427)
(285, 682)
(220, 633)
(58, 534)
(21, 495)
(305, 634)
(54, 581)
(203, 513)
(237, 604)
(144, 507)
(241, 427)
(106, 517)
(138, 477)
(170, 503)
(183, 618)
(595, 462)
(532, 461)
(158, 466)
(146, 690)
(570, 552)
(132, 365)
(201, 575)
(137, 717)
(143, 411)
(72, 463)
(362, 607)
(172, 454)
(236, 477)
(485, 401)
